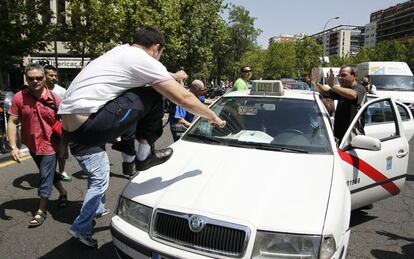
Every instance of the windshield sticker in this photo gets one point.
(265, 106)
(247, 110)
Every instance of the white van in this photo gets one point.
(393, 79)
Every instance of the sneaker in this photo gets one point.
(156, 157)
(73, 233)
(84, 239)
(65, 177)
(128, 168)
(104, 213)
(88, 241)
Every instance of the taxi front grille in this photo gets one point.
(216, 237)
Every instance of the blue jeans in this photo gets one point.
(96, 165)
(48, 175)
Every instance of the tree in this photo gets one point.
(410, 54)
(198, 37)
(363, 55)
(280, 60)
(243, 35)
(255, 58)
(22, 31)
(94, 27)
(308, 52)
(389, 51)
(336, 61)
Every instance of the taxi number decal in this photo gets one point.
(247, 110)
(369, 171)
(353, 181)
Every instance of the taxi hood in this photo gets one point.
(274, 191)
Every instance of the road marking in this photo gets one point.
(11, 162)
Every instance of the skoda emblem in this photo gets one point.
(196, 223)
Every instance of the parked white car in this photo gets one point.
(271, 184)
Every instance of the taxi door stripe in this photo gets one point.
(379, 183)
(369, 171)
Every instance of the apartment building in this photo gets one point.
(342, 40)
(393, 23)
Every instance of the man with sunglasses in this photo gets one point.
(242, 83)
(120, 94)
(35, 107)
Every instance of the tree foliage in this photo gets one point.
(410, 54)
(242, 36)
(280, 60)
(389, 51)
(22, 31)
(255, 58)
(198, 39)
(307, 56)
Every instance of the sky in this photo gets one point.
(276, 17)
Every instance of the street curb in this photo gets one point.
(23, 153)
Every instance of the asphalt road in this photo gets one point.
(385, 232)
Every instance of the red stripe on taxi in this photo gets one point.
(369, 171)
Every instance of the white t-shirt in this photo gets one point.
(118, 70)
(60, 91)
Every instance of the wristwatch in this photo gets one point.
(13, 146)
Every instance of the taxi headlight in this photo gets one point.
(280, 245)
(328, 247)
(134, 213)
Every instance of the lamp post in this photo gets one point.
(323, 37)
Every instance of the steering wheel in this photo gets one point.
(291, 137)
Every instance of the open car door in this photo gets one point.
(375, 158)
(405, 114)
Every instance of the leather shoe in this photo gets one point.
(156, 157)
(128, 168)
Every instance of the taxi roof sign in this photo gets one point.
(267, 87)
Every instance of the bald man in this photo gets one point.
(180, 118)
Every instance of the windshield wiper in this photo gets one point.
(291, 149)
(263, 146)
(205, 139)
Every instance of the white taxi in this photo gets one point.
(272, 184)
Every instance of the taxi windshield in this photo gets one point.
(269, 123)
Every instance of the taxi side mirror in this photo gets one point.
(366, 142)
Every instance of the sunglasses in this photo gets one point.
(246, 71)
(32, 78)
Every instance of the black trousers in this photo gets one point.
(136, 114)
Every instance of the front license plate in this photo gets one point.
(158, 256)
